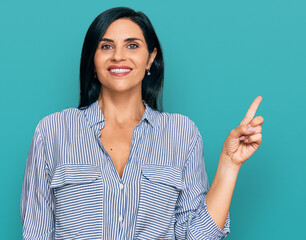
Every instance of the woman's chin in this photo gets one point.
(123, 89)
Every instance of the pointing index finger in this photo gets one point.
(251, 112)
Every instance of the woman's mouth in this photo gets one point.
(119, 71)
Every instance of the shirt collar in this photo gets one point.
(95, 116)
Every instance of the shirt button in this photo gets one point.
(121, 186)
(120, 218)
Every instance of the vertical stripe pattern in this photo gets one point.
(71, 189)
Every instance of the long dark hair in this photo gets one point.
(152, 85)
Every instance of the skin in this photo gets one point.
(121, 103)
(120, 97)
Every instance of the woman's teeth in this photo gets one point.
(120, 70)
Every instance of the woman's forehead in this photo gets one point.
(122, 29)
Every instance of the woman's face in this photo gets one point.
(122, 58)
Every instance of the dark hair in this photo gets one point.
(90, 86)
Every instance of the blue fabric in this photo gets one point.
(71, 189)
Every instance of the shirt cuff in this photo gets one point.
(216, 232)
(47, 236)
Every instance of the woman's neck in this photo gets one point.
(121, 108)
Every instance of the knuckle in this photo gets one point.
(259, 129)
(259, 137)
(245, 130)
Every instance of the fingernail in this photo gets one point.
(242, 137)
(251, 129)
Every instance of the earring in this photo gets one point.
(95, 75)
(148, 72)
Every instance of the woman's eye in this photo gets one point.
(132, 46)
(106, 47)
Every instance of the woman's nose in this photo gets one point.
(118, 54)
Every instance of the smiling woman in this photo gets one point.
(117, 167)
(108, 38)
(122, 43)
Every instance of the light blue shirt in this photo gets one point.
(71, 189)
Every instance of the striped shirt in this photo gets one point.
(71, 189)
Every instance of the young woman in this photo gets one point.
(117, 167)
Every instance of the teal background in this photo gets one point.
(219, 56)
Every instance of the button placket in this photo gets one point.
(122, 201)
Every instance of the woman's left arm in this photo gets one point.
(240, 144)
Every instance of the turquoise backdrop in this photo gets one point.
(219, 56)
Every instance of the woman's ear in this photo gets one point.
(151, 58)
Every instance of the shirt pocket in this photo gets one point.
(160, 187)
(78, 192)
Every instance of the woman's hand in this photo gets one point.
(244, 140)
(240, 144)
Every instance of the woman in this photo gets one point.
(116, 167)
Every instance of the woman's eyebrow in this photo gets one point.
(126, 40)
(132, 39)
(106, 40)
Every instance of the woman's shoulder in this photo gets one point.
(175, 120)
(178, 124)
(58, 121)
(62, 116)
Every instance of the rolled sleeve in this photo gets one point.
(193, 221)
(36, 204)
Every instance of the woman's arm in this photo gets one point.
(36, 206)
(240, 144)
(193, 220)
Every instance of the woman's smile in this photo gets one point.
(119, 71)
